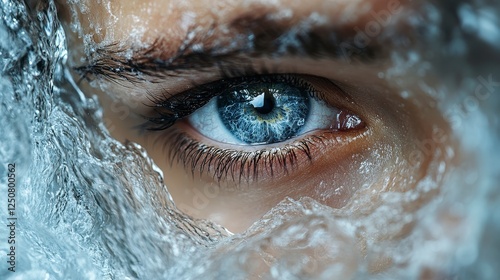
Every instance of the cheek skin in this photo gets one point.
(237, 206)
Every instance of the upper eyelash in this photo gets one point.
(181, 105)
(170, 109)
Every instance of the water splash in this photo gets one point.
(92, 208)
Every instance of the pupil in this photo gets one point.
(264, 103)
(264, 112)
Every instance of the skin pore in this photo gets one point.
(148, 52)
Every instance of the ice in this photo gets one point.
(92, 208)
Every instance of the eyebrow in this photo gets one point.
(257, 36)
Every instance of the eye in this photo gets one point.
(262, 125)
(266, 110)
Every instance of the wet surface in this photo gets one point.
(92, 208)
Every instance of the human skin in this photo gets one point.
(392, 152)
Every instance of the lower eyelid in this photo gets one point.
(221, 162)
(192, 132)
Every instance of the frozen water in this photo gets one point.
(89, 207)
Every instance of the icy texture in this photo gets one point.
(91, 208)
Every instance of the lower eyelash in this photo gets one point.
(237, 165)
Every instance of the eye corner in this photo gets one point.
(348, 121)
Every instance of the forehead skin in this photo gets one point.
(143, 22)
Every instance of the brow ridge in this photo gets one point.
(262, 37)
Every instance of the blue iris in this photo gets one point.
(264, 112)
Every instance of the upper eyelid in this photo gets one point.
(168, 111)
(204, 92)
